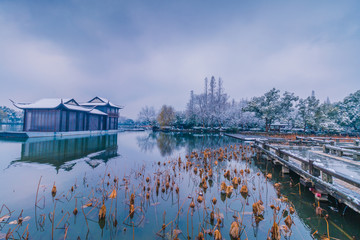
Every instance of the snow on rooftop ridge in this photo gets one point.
(98, 100)
(69, 103)
(42, 103)
(104, 99)
(96, 111)
(52, 103)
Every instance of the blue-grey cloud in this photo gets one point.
(140, 53)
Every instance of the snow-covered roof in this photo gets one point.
(71, 101)
(96, 111)
(45, 103)
(77, 108)
(53, 103)
(100, 101)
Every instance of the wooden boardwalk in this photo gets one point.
(336, 157)
(252, 138)
(243, 137)
(321, 180)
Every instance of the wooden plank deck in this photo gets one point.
(327, 181)
(340, 186)
(336, 157)
(243, 137)
(247, 137)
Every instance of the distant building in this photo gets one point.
(65, 115)
(277, 127)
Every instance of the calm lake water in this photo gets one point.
(90, 165)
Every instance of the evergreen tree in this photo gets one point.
(271, 107)
(350, 111)
(308, 112)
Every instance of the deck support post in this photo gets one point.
(326, 177)
(339, 153)
(311, 167)
(285, 170)
(356, 157)
(278, 153)
(325, 149)
(304, 166)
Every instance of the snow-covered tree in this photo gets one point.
(271, 107)
(190, 113)
(307, 110)
(287, 106)
(221, 104)
(350, 111)
(212, 108)
(328, 118)
(147, 115)
(3, 116)
(10, 115)
(317, 117)
(239, 119)
(201, 109)
(209, 107)
(180, 120)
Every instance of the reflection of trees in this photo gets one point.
(167, 143)
(147, 143)
(171, 141)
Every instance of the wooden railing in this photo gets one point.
(312, 173)
(340, 151)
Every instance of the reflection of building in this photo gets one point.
(65, 115)
(60, 153)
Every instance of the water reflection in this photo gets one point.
(147, 142)
(167, 143)
(65, 153)
(10, 127)
(303, 201)
(60, 153)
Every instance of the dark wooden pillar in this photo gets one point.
(87, 121)
(67, 121)
(25, 120)
(61, 119)
(77, 121)
(84, 121)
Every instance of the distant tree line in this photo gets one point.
(213, 109)
(8, 115)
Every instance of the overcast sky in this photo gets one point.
(152, 52)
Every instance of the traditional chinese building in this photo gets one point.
(66, 115)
